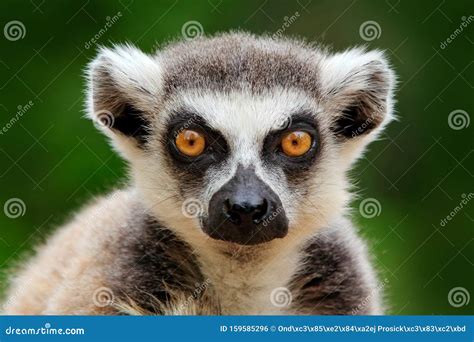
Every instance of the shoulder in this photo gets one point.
(335, 274)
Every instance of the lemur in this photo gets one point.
(238, 149)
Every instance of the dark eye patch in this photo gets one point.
(298, 170)
(191, 170)
(272, 152)
(216, 146)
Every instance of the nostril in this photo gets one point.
(231, 212)
(260, 212)
(227, 206)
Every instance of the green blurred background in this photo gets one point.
(54, 160)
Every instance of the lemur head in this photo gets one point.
(253, 134)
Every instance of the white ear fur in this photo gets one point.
(124, 69)
(357, 89)
(124, 85)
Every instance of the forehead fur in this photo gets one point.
(236, 113)
(238, 60)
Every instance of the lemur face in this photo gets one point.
(235, 152)
(254, 134)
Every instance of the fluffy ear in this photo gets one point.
(124, 88)
(357, 89)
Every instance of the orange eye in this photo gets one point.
(190, 143)
(297, 143)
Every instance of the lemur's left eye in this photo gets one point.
(296, 143)
(190, 143)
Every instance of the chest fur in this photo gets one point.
(252, 287)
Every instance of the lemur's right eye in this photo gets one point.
(190, 143)
(296, 143)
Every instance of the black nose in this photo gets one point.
(245, 212)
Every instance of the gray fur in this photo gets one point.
(236, 61)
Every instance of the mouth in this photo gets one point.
(245, 234)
